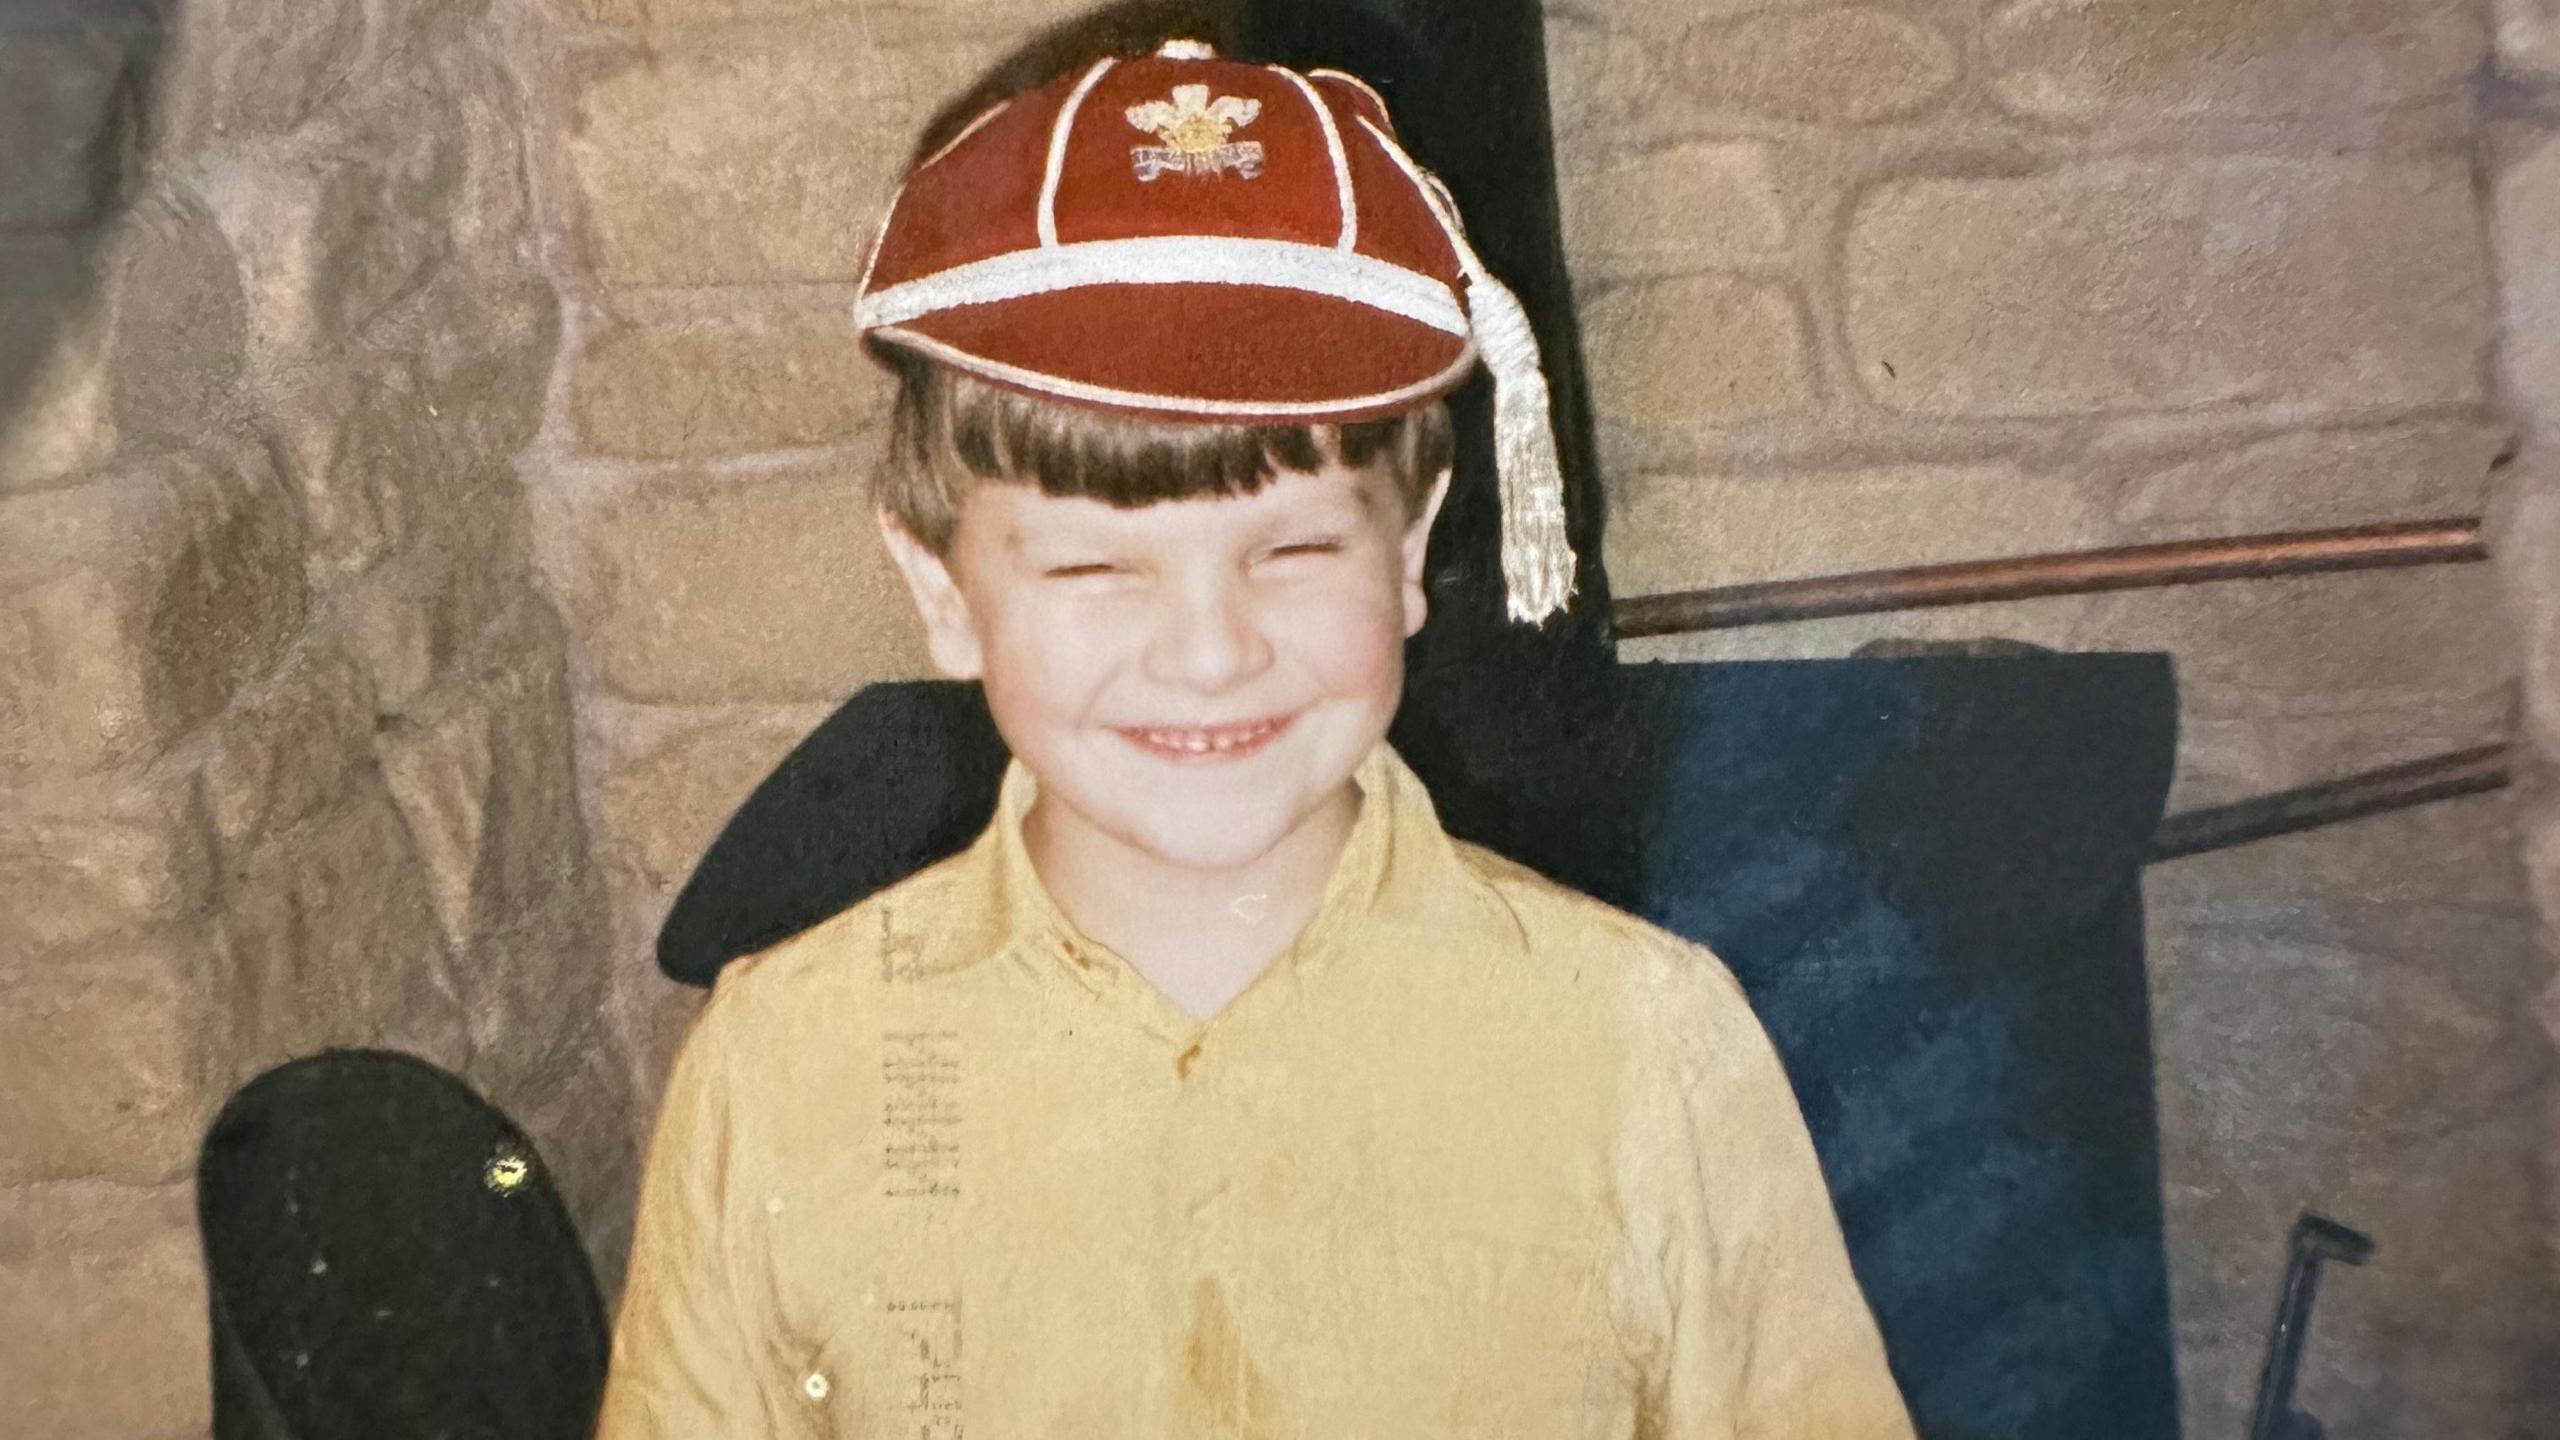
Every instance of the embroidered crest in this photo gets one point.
(1194, 131)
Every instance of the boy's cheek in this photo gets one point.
(1359, 646)
(1063, 647)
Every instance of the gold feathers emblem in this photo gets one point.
(1194, 132)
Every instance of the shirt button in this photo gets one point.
(815, 1385)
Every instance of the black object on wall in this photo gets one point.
(387, 1257)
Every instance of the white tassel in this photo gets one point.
(1537, 557)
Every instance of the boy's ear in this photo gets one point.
(949, 631)
(1417, 544)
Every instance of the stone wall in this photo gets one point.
(285, 740)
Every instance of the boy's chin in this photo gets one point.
(1211, 845)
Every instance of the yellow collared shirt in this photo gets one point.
(1476, 1156)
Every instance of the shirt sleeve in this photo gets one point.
(684, 1345)
(1770, 1337)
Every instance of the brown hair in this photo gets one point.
(951, 431)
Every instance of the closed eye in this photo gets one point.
(1325, 546)
(1070, 572)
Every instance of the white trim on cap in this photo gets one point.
(1172, 260)
(966, 131)
(871, 259)
(961, 359)
(1341, 160)
(1434, 194)
(1058, 148)
(1436, 197)
(1348, 78)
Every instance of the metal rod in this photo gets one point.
(2372, 792)
(2130, 567)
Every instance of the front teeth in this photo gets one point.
(1201, 742)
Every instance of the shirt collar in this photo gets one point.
(1397, 832)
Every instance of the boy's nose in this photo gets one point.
(1206, 639)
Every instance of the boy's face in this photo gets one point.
(1193, 679)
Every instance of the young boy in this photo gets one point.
(1216, 1090)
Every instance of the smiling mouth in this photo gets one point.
(1223, 742)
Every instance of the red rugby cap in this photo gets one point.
(1182, 237)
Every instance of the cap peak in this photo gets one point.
(1186, 50)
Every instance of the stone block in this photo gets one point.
(2525, 205)
(1686, 532)
(1697, 205)
(135, 605)
(2528, 38)
(501, 125)
(105, 1065)
(353, 450)
(326, 923)
(664, 805)
(239, 70)
(741, 164)
(181, 323)
(336, 232)
(2091, 62)
(56, 414)
(408, 620)
(2131, 285)
(285, 755)
(2301, 480)
(126, 335)
(65, 124)
(726, 589)
(2366, 640)
(84, 860)
(486, 343)
(488, 787)
(103, 1330)
(1639, 75)
(723, 386)
(1692, 353)
(1847, 65)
